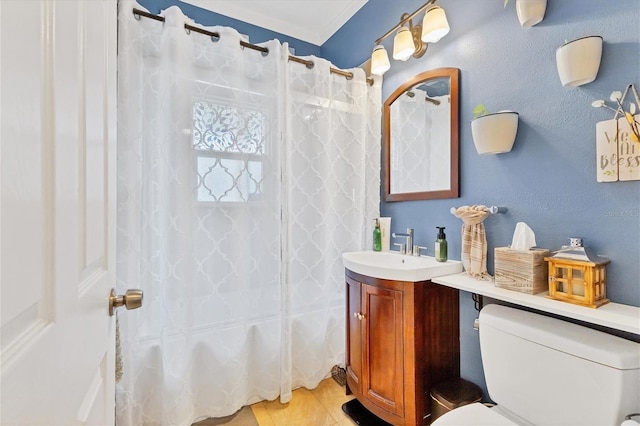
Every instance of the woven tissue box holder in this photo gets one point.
(521, 270)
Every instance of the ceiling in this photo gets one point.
(313, 21)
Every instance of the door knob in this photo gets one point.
(132, 299)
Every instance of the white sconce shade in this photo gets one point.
(495, 133)
(434, 25)
(530, 12)
(403, 46)
(379, 60)
(578, 61)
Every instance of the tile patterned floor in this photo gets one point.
(321, 406)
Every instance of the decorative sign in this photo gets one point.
(617, 155)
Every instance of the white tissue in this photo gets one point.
(523, 237)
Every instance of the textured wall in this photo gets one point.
(549, 179)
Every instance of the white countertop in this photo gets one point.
(391, 265)
(612, 315)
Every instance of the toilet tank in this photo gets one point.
(549, 371)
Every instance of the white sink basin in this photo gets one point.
(391, 265)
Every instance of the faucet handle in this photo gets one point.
(410, 231)
(403, 247)
(416, 250)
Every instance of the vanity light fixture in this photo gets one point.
(411, 40)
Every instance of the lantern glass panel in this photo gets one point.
(562, 272)
(577, 289)
(578, 274)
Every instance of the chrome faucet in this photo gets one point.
(408, 247)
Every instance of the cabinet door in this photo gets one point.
(384, 351)
(354, 333)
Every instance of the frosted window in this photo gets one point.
(229, 142)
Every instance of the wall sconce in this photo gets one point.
(412, 40)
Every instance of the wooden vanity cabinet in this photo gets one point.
(402, 338)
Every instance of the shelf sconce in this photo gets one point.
(412, 40)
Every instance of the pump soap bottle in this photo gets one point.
(377, 236)
(441, 245)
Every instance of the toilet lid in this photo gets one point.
(473, 414)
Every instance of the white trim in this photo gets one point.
(314, 22)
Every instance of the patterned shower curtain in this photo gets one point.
(242, 177)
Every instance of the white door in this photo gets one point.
(57, 121)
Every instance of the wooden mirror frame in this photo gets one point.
(453, 191)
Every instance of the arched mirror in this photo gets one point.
(420, 138)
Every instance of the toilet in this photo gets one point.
(544, 371)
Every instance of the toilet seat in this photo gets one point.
(473, 414)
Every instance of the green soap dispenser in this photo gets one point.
(441, 245)
(377, 236)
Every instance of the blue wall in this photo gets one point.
(208, 19)
(549, 179)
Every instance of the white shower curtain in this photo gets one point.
(242, 177)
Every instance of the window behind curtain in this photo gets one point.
(229, 142)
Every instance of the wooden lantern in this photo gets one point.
(580, 282)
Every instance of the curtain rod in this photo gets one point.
(137, 13)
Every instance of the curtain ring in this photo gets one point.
(136, 15)
(187, 30)
(215, 39)
(350, 76)
(265, 52)
(310, 65)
